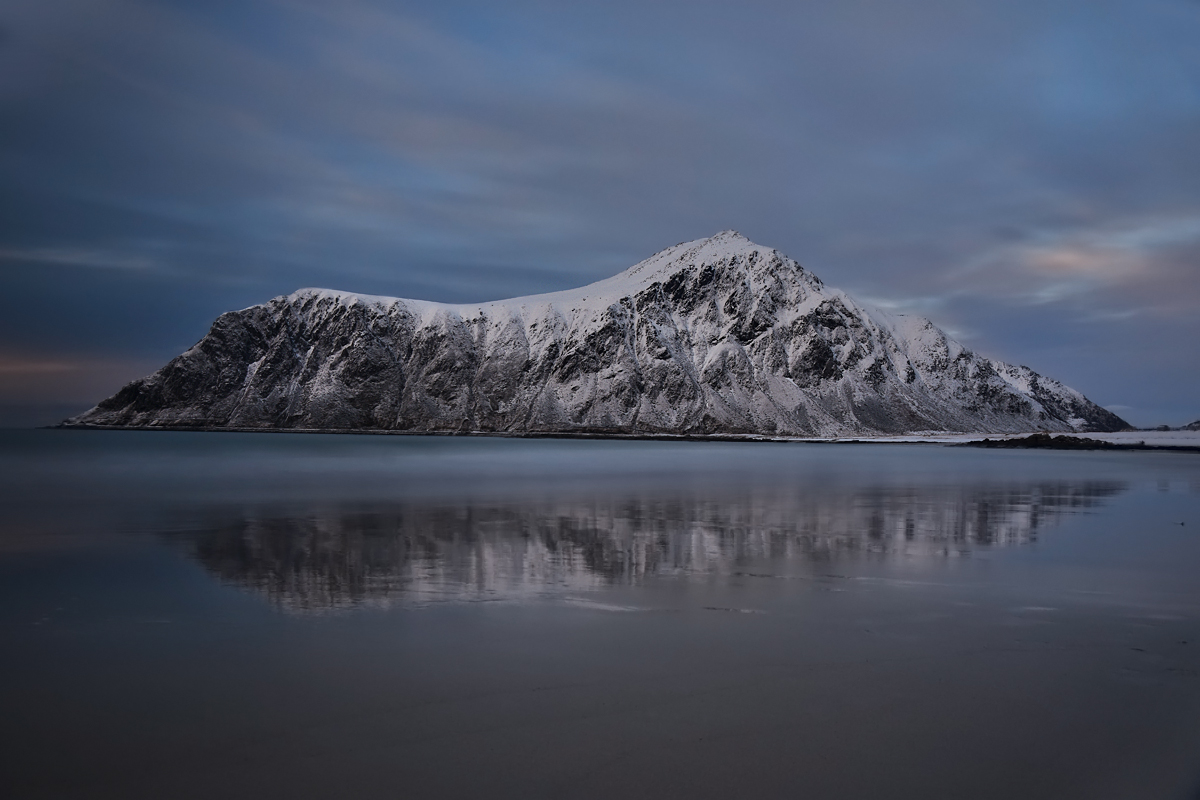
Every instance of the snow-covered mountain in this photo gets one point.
(715, 336)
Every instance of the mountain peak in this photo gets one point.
(726, 246)
(730, 240)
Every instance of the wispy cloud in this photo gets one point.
(26, 366)
(1144, 266)
(33, 377)
(78, 257)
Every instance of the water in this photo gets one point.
(201, 615)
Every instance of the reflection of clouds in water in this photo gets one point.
(479, 551)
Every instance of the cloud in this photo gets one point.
(31, 377)
(1110, 256)
(25, 366)
(1143, 266)
(977, 163)
(77, 257)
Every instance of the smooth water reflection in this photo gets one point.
(425, 553)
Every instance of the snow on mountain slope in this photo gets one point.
(718, 335)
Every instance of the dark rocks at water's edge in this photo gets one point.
(714, 337)
(1045, 441)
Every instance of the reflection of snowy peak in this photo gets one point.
(472, 551)
(718, 335)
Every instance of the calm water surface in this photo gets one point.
(244, 615)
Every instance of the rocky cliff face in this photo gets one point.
(714, 336)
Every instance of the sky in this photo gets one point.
(1025, 173)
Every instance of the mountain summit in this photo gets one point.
(715, 336)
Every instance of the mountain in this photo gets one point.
(715, 336)
(1192, 426)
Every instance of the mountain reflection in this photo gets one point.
(477, 551)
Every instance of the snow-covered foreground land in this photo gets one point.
(1152, 438)
(715, 336)
(1149, 438)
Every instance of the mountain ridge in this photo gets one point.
(714, 336)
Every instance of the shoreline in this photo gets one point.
(1181, 441)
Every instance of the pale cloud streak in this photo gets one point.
(1141, 267)
(77, 257)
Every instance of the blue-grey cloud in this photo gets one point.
(1023, 172)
